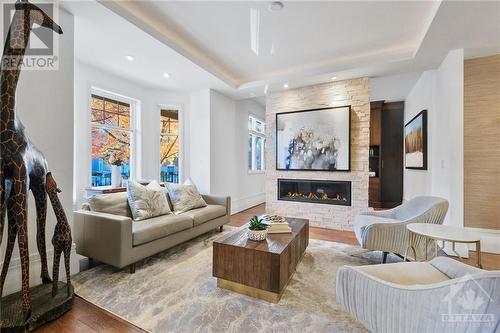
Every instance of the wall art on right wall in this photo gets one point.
(416, 142)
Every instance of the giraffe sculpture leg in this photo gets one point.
(55, 270)
(3, 207)
(67, 253)
(5, 185)
(11, 240)
(38, 190)
(18, 212)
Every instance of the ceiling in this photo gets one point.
(103, 39)
(245, 50)
(302, 35)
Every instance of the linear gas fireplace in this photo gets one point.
(316, 191)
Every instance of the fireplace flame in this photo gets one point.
(336, 197)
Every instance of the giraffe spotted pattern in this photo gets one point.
(22, 166)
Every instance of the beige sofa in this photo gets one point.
(117, 240)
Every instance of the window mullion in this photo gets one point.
(254, 162)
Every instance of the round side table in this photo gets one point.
(445, 233)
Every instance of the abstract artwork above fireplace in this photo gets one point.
(315, 191)
(316, 139)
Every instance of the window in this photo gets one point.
(169, 146)
(256, 140)
(112, 131)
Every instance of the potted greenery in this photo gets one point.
(257, 229)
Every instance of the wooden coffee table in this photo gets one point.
(259, 269)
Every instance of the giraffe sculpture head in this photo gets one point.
(30, 15)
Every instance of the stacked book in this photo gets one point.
(277, 224)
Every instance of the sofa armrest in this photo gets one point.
(218, 200)
(102, 236)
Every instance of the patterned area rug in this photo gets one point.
(174, 291)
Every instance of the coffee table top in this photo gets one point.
(274, 243)
(444, 232)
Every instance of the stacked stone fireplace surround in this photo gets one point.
(355, 93)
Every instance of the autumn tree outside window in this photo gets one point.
(112, 131)
(169, 146)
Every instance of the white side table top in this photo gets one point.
(444, 232)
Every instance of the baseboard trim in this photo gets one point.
(241, 204)
(13, 280)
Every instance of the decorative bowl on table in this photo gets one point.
(257, 229)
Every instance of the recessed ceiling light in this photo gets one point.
(129, 58)
(166, 75)
(276, 6)
(285, 85)
(334, 78)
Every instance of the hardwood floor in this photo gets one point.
(347, 237)
(88, 318)
(85, 317)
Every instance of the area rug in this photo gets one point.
(174, 291)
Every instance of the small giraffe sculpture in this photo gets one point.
(62, 236)
(16, 158)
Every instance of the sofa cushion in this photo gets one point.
(184, 197)
(159, 227)
(405, 273)
(204, 214)
(113, 203)
(147, 201)
(362, 221)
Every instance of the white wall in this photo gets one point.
(440, 91)
(223, 162)
(87, 77)
(392, 88)
(218, 143)
(199, 139)
(421, 97)
(44, 103)
(450, 136)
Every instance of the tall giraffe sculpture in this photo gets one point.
(22, 166)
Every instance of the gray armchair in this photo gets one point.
(442, 296)
(386, 230)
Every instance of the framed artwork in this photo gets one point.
(416, 142)
(314, 140)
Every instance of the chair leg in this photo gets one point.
(132, 268)
(384, 257)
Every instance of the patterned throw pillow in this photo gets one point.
(147, 201)
(184, 197)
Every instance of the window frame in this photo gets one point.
(254, 134)
(133, 130)
(180, 136)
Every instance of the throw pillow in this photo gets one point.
(147, 201)
(113, 203)
(184, 197)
